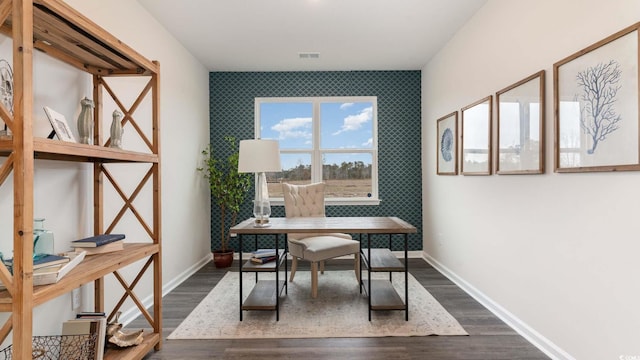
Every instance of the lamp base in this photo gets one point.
(261, 223)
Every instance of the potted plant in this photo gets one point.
(228, 189)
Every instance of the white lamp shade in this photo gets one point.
(259, 156)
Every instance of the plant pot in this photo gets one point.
(222, 259)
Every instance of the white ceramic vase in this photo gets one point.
(85, 121)
(116, 130)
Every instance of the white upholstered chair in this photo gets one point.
(308, 201)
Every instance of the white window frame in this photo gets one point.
(316, 152)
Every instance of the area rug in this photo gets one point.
(338, 311)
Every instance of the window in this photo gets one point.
(323, 139)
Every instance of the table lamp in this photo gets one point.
(260, 156)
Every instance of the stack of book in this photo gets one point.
(56, 269)
(262, 256)
(100, 244)
(85, 323)
(50, 268)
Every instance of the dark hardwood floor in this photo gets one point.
(489, 337)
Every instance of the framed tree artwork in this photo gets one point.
(447, 144)
(596, 106)
(476, 138)
(520, 121)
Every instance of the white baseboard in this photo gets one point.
(131, 314)
(534, 337)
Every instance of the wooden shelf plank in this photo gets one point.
(67, 151)
(384, 296)
(133, 352)
(91, 268)
(382, 260)
(263, 295)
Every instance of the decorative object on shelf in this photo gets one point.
(85, 121)
(42, 239)
(116, 130)
(596, 106)
(447, 157)
(59, 125)
(126, 339)
(6, 92)
(476, 138)
(228, 189)
(520, 115)
(114, 326)
(260, 156)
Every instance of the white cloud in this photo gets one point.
(345, 105)
(293, 128)
(354, 122)
(368, 143)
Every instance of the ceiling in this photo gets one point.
(269, 35)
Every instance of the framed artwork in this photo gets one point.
(447, 144)
(596, 106)
(59, 125)
(476, 138)
(520, 120)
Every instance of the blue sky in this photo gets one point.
(343, 126)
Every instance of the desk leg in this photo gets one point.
(360, 284)
(240, 271)
(277, 265)
(406, 277)
(369, 272)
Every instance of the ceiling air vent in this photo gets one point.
(309, 55)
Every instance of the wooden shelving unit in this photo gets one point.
(52, 27)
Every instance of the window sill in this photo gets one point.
(337, 202)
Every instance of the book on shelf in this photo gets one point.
(261, 253)
(53, 274)
(43, 260)
(263, 260)
(110, 247)
(90, 314)
(98, 240)
(84, 326)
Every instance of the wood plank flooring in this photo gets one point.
(489, 338)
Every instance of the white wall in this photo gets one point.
(63, 190)
(557, 252)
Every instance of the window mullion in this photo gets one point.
(316, 157)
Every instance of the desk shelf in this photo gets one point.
(381, 293)
(382, 260)
(265, 294)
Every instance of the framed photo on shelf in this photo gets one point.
(476, 138)
(596, 106)
(59, 125)
(520, 120)
(447, 145)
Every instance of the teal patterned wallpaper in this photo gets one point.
(399, 99)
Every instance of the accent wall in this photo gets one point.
(232, 97)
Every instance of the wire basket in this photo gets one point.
(59, 347)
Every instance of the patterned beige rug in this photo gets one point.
(338, 311)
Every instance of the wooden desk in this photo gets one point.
(376, 260)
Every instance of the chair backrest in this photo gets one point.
(304, 200)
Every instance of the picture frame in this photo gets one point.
(476, 138)
(447, 144)
(59, 125)
(598, 130)
(520, 119)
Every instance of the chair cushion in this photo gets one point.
(320, 248)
